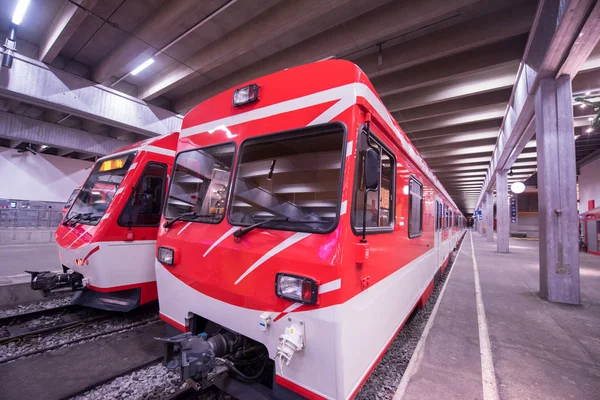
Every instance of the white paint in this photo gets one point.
(344, 207)
(349, 148)
(184, 228)
(41, 177)
(219, 240)
(419, 352)
(115, 263)
(488, 376)
(589, 185)
(330, 286)
(296, 237)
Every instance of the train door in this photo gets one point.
(438, 231)
(592, 235)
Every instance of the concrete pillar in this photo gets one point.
(489, 219)
(502, 215)
(557, 201)
(483, 210)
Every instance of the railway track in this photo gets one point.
(27, 325)
(36, 332)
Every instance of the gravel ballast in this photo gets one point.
(40, 305)
(150, 383)
(76, 333)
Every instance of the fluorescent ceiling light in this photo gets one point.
(142, 67)
(20, 11)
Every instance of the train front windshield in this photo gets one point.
(293, 180)
(99, 189)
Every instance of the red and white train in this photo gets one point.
(302, 229)
(107, 240)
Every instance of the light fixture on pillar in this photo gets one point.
(517, 187)
(10, 46)
(380, 58)
(143, 66)
(511, 173)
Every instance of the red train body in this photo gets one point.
(277, 256)
(107, 240)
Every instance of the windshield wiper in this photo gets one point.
(90, 218)
(238, 234)
(185, 216)
(75, 218)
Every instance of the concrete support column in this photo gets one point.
(557, 201)
(489, 219)
(483, 210)
(502, 216)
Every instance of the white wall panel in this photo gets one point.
(40, 177)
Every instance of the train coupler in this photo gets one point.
(52, 283)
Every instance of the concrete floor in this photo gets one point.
(538, 349)
(15, 259)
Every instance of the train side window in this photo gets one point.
(445, 216)
(415, 208)
(440, 215)
(436, 215)
(144, 205)
(380, 203)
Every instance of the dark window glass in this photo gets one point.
(436, 216)
(99, 189)
(380, 202)
(415, 208)
(200, 183)
(291, 178)
(144, 205)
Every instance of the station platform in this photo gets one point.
(491, 336)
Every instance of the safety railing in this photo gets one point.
(29, 219)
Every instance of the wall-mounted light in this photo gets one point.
(142, 67)
(20, 11)
(517, 187)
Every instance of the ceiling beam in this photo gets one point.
(477, 32)
(450, 107)
(275, 29)
(488, 148)
(62, 28)
(483, 113)
(366, 30)
(23, 129)
(499, 78)
(36, 83)
(169, 20)
(452, 67)
(452, 139)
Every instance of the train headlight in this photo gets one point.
(166, 255)
(296, 288)
(245, 95)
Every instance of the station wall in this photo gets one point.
(25, 176)
(589, 184)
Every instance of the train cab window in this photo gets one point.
(415, 208)
(145, 202)
(380, 202)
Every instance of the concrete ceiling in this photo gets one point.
(445, 69)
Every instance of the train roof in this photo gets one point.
(340, 83)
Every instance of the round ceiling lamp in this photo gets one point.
(517, 187)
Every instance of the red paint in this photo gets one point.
(426, 294)
(593, 252)
(591, 205)
(173, 323)
(297, 388)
